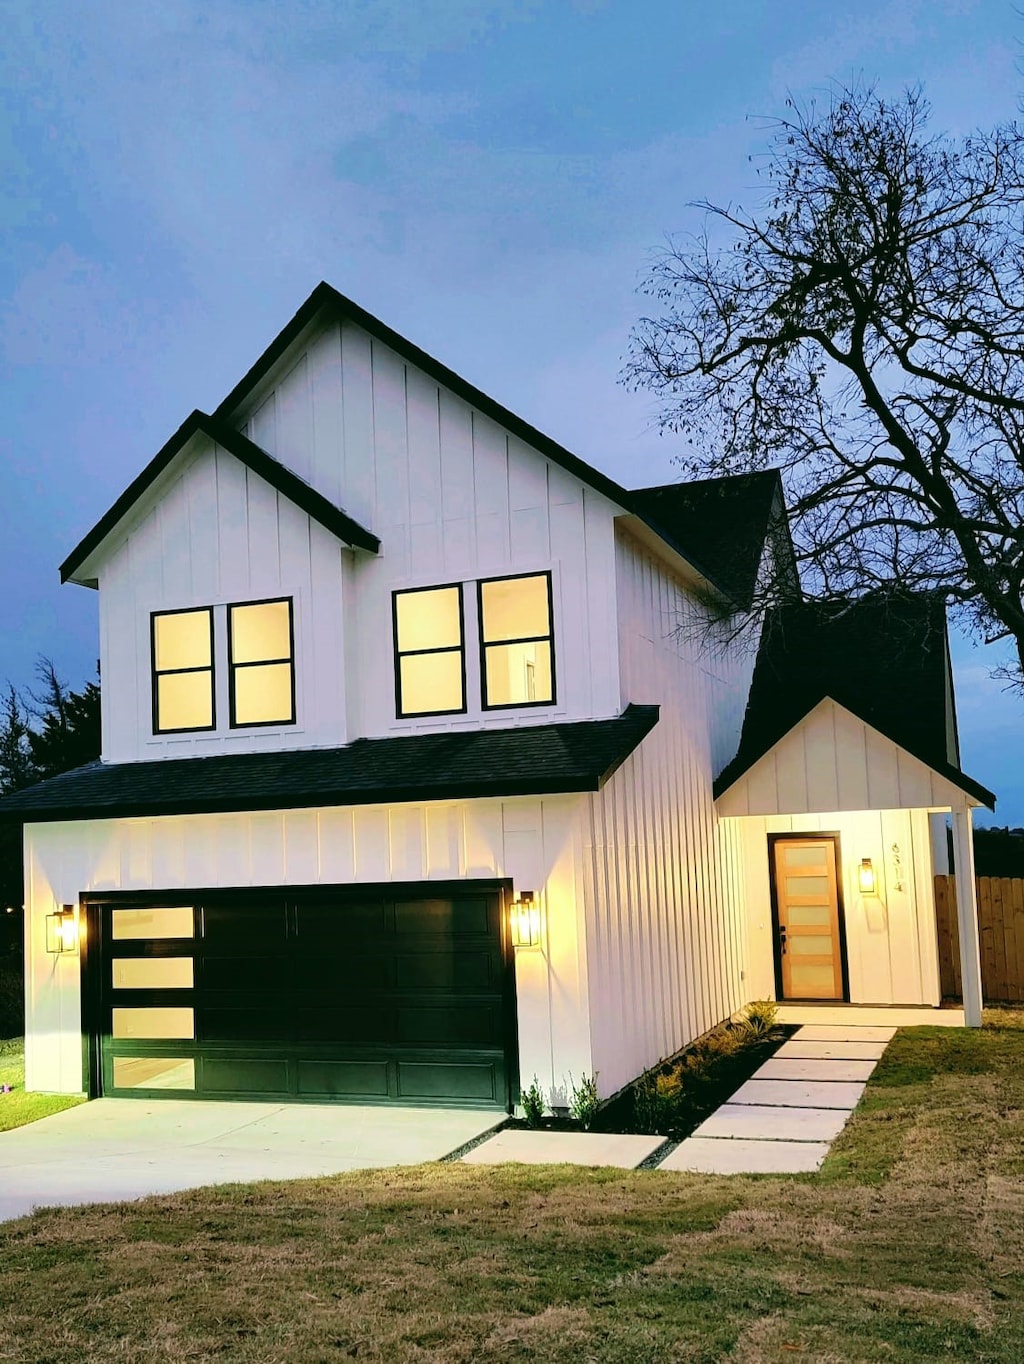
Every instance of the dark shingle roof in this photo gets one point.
(681, 515)
(255, 458)
(724, 523)
(527, 760)
(884, 658)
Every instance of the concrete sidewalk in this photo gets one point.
(113, 1149)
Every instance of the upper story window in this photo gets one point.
(430, 664)
(182, 652)
(517, 661)
(261, 663)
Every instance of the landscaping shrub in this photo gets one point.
(673, 1097)
(583, 1101)
(532, 1100)
(760, 1016)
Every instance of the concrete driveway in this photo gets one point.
(113, 1149)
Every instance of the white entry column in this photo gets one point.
(967, 912)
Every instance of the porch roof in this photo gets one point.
(526, 760)
(883, 661)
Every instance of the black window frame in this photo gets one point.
(549, 639)
(460, 649)
(260, 663)
(155, 673)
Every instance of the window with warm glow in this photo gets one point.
(261, 663)
(516, 646)
(182, 644)
(430, 674)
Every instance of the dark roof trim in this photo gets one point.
(327, 300)
(744, 761)
(527, 760)
(297, 490)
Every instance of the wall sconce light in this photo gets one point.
(62, 930)
(866, 877)
(525, 920)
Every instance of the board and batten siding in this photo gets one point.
(535, 843)
(219, 533)
(454, 497)
(663, 885)
(832, 760)
(891, 941)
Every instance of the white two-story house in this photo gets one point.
(420, 779)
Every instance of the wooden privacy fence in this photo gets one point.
(1001, 925)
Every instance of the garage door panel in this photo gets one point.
(363, 969)
(343, 1079)
(322, 924)
(246, 929)
(252, 973)
(468, 970)
(458, 1023)
(436, 1080)
(422, 918)
(258, 1024)
(242, 1075)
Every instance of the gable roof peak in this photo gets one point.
(253, 456)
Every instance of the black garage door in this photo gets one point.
(361, 995)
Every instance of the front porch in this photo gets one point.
(840, 832)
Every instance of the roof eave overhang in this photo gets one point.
(665, 548)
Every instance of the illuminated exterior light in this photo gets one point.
(525, 920)
(62, 930)
(866, 877)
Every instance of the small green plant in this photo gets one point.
(583, 1100)
(760, 1017)
(658, 1099)
(532, 1100)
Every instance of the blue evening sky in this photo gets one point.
(488, 176)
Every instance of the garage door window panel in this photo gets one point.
(261, 659)
(181, 645)
(517, 660)
(430, 657)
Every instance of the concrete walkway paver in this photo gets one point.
(624, 1151)
(836, 1032)
(814, 1068)
(712, 1156)
(770, 1123)
(115, 1149)
(783, 1120)
(830, 1051)
(799, 1094)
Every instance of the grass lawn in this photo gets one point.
(909, 1245)
(18, 1108)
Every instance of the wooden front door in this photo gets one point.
(808, 932)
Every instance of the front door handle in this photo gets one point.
(782, 941)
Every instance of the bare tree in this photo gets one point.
(863, 331)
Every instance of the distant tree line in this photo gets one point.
(43, 731)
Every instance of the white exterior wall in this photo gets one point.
(891, 939)
(454, 498)
(536, 843)
(220, 534)
(665, 924)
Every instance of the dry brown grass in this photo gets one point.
(908, 1246)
